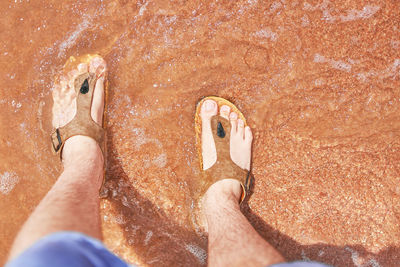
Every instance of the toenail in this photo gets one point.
(209, 105)
(224, 108)
(82, 66)
(233, 115)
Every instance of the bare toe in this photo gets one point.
(64, 95)
(240, 128)
(82, 68)
(248, 135)
(98, 101)
(224, 112)
(233, 117)
(240, 146)
(97, 65)
(209, 108)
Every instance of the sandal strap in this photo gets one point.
(224, 167)
(82, 123)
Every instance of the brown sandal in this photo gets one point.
(224, 167)
(82, 123)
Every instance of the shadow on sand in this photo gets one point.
(171, 244)
(159, 241)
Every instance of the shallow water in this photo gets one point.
(318, 81)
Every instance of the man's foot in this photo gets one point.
(232, 241)
(64, 110)
(240, 151)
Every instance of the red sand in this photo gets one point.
(318, 81)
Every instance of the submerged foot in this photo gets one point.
(240, 151)
(64, 109)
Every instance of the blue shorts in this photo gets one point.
(66, 249)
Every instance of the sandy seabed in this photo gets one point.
(318, 81)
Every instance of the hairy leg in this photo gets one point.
(72, 204)
(232, 241)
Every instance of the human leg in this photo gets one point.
(232, 239)
(72, 203)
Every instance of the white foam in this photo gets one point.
(367, 12)
(336, 64)
(396, 63)
(252, 2)
(309, 7)
(267, 33)
(357, 261)
(141, 138)
(120, 219)
(353, 14)
(40, 115)
(319, 59)
(393, 69)
(161, 160)
(170, 19)
(340, 65)
(8, 180)
(198, 252)
(304, 256)
(143, 9)
(275, 6)
(72, 37)
(305, 21)
(395, 44)
(149, 234)
(326, 12)
(16, 105)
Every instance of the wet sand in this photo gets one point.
(318, 81)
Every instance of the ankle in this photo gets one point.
(82, 152)
(224, 192)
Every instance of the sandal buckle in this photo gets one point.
(249, 181)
